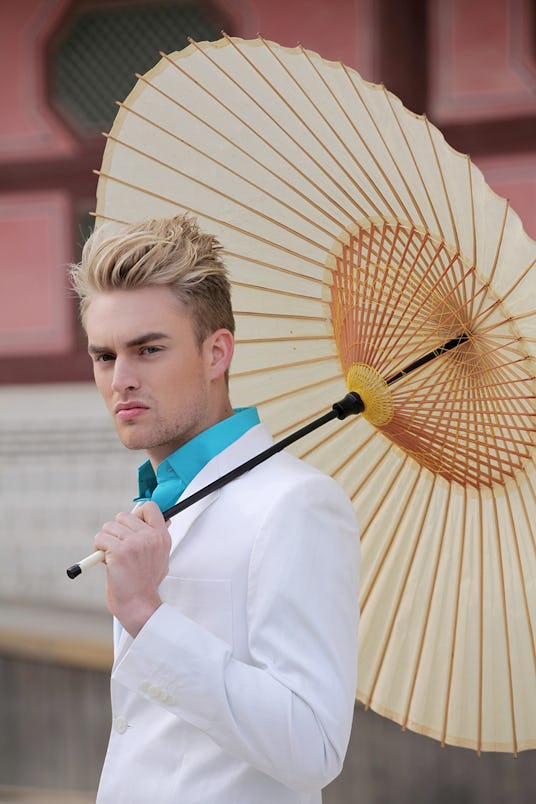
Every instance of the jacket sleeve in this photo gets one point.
(288, 712)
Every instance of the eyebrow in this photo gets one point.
(141, 340)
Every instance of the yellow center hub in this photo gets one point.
(374, 391)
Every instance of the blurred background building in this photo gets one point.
(470, 65)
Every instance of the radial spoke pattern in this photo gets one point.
(355, 235)
(396, 294)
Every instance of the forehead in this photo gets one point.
(124, 313)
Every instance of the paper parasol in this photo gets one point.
(357, 241)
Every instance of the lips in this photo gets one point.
(126, 411)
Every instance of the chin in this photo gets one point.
(132, 440)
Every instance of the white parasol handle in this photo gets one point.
(86, 563)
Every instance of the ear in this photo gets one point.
(220, 348)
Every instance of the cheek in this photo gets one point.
(183, 387)
(103, 383)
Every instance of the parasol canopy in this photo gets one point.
(357, 241)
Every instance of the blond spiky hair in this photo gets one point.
(166, 251)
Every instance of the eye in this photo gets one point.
(150, 350)
(104, 358)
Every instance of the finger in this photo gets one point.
(106, 541)
(151, 514)
(114, 528)
(131, 521)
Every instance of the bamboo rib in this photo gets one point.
(381, 653)
(385, 324)
(178, 204)
(279, 316)
(481, 626)
(283, 339)
(505, 625)
(475, 464)
(455, 621)
(467, 293)
(319, 281)
(423, 183)
(492, 271)
(296, 364)
(341, 140)
(328, 153)
(410, 389)
(419, 344)
(382, 139)
(433, 581)
(295, 424)
(443, 184)
(307, 452)
(289, 294)
(378, 315)
(442, 427)
(292, 188)
(472, 469)
(531, 531)
(366, 592)
(407, 254)
(403, 314)
(499, 432)
(364, 480)
(108, 218)
(515, 539)
(521, 317)
(532, 490)
(474, 259)
(509, 428)
(475, 371)
(283, 128)
(507, 293)
(361, 280)
(362, 329)
(219, 192)
(357, 133)
(416, 396)
(276, 198)
(493, 348)
(491, 440)
(470, 295)
(290, 164)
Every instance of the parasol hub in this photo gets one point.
(374, 391)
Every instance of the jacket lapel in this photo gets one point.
(250, 444)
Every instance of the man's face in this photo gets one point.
(156, 381)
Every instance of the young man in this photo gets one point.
(236, 622)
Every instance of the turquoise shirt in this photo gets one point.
(179, 469)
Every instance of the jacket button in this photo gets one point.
(120, 725)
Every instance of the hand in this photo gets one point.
(136, 548)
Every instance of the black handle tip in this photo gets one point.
(74, 571)
(351, 404)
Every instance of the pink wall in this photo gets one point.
(30, 131)
(482, 60)
(36, 244)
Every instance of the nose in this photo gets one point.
(124, 376)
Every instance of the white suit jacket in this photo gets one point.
(240, 688)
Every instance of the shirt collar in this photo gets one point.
(180, 468)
